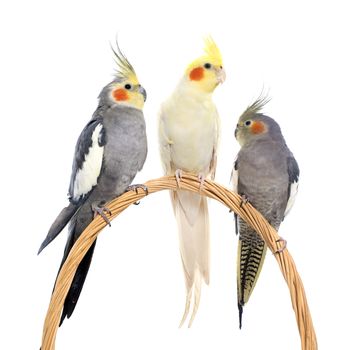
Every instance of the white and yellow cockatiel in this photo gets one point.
(188, 135)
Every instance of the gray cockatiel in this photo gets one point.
(111, 149)
(266, 174)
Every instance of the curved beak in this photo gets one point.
(221, 74)
(143, 92)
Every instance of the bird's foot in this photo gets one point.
(100, 209)
(178, 176)
(284, 245)
(136, 187)
(201, 179)
(244, 200)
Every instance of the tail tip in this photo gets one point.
(63, 316)
(41, 248)
(44, 244)
(240, 311)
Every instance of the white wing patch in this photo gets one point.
(86, 177)
(292, 196)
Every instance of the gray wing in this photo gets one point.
(234, 182)
(234, 175)
(88, 159)
(293, 177)
(87, 166)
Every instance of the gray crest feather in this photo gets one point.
(124, 68)
(256, 106)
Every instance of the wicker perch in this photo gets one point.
(210, 189)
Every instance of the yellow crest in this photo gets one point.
(212, 54)
(212, 51)
(124, 70)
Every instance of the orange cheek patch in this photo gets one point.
(120, 95)
(257, 127)
(197, 73)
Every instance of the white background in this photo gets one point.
(55, 59)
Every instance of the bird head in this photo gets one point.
(207, 71)
(253, 125)
(125, 89)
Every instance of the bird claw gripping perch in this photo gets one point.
(178, 176)
(244, 200)
(201, 179)
(284, 245)
(135, 188)
(101, 210)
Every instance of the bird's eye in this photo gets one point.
(247, 123)
(127, 86)
(207, 65)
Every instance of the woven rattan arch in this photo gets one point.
(210, 189)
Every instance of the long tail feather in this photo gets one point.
(197, 298)
(77, 225)
(187, 307)
(236, 223)
(191, 212)
(251, 255)
(77, 284)
(240, 313)
(59, 224)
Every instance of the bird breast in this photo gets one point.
(193, 132)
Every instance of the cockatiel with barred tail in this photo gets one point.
(111, 149)
(188, 135)
(266, 174)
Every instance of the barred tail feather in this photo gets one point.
(251, 255)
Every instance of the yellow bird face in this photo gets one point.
(126, 89)
(129, 93)
(207, 71)
(206, 75)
